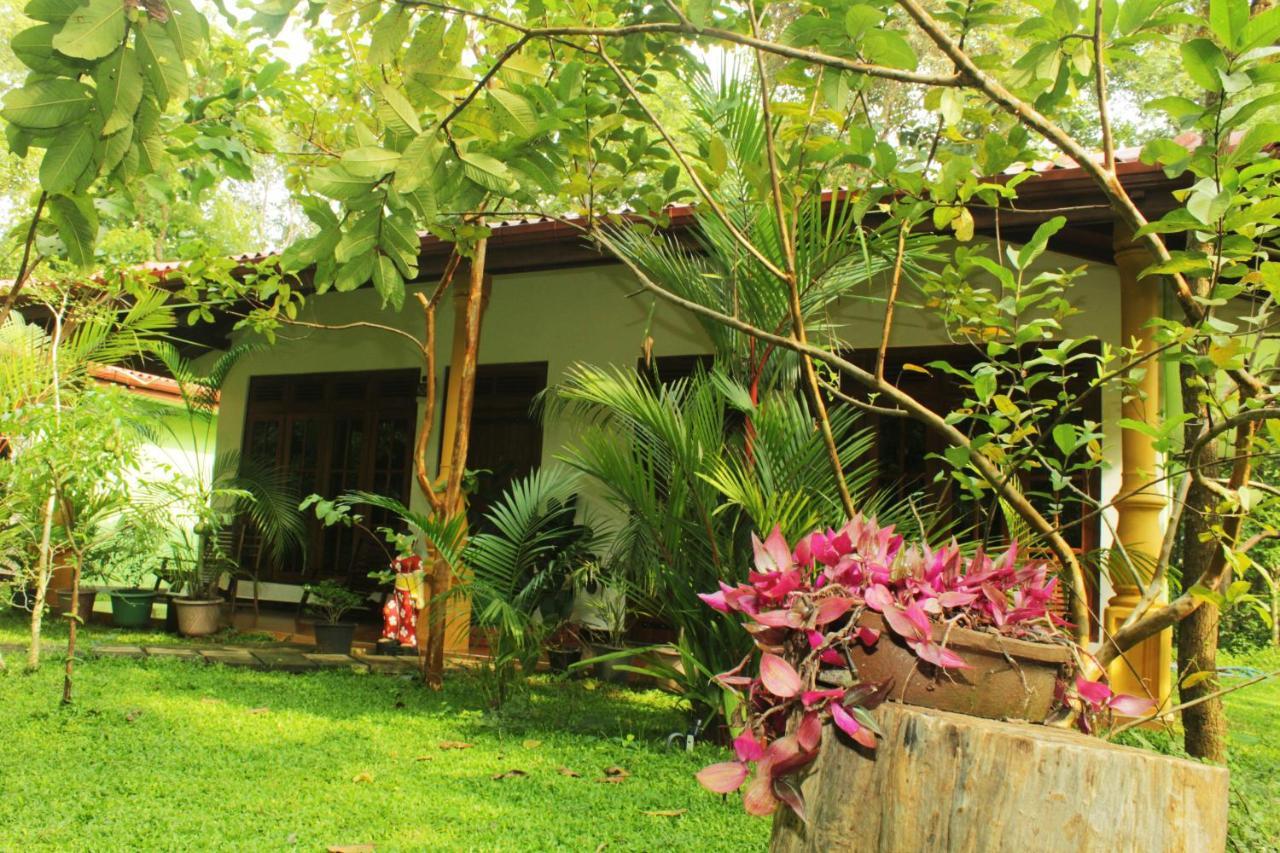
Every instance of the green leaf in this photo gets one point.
(337, 183)
(47, 104)
(354, 273)
(1227, 19)
(1065, 436)
(396, 112)
(77, 225)
(359, 238)
(187, 28)
(984, 385)
(485, 171)
(53, 11)
(1135, 13)
(34, 48)
(417, 162)
(1202, 61)
(93, 30)
(119, 89)
(860, 19)
(388, 283)
(369, 161)
(161, 63)
(514, 112)
(889, 47)
(717, 155)
(1262, 29)
(67, 158)
(1034, 247)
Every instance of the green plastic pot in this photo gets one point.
(131, 608)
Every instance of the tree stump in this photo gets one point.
(940, 781)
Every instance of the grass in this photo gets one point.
(170, 755)
(1253, 716)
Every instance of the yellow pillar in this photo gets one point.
(458, 612)
(1145, 669)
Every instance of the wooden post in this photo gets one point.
(1144, 669)
(941, 781)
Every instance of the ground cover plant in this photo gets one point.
(279, 761)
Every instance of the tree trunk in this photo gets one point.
(44, 568)
(74, 619)
(943, 781)
(1204, 725)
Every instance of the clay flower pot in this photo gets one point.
(1008, 679)
(198, 618)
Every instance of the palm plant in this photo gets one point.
(676, 464)
(522, 572)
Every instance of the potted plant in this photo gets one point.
(564, 647)
(124, 559)
(332, 601)
(609, 629)
(852, 617)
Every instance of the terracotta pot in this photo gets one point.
(87, 597)
(1010, 679)
(198, 618)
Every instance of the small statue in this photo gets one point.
(400, 613)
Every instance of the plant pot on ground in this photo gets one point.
(131, 607)
(609, 646)
(198, 617)
(331, 600)
(88, 595)
(564, 647)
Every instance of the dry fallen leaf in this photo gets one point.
(425, 758)
(133, 715)
(262, 710)
(532, 744)
(350, 848)
(453, 744)
(610, 780)
(565, 771)
(510, 774)
(616, 771)
(364, 776)
(667, 812)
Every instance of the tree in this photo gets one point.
(549, 107)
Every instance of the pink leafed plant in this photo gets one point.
(802, 606)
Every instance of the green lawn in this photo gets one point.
(170, 755)
(163, 755)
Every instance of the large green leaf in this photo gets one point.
(369, 161)
(337, 183)
(77, 225)
(485, 171)
(161, 62)
(889, 47)
(1203, 60)
(417, 163)
(68, 156)
(119, 89)
(53, 11)
(387, 281)
(47, 104)
(34, 47)
(93, 30)
(514, 112)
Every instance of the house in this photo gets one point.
(340, 408)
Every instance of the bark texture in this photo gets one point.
(1204, 725)
(941, 781)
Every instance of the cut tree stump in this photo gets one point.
(941, 782)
